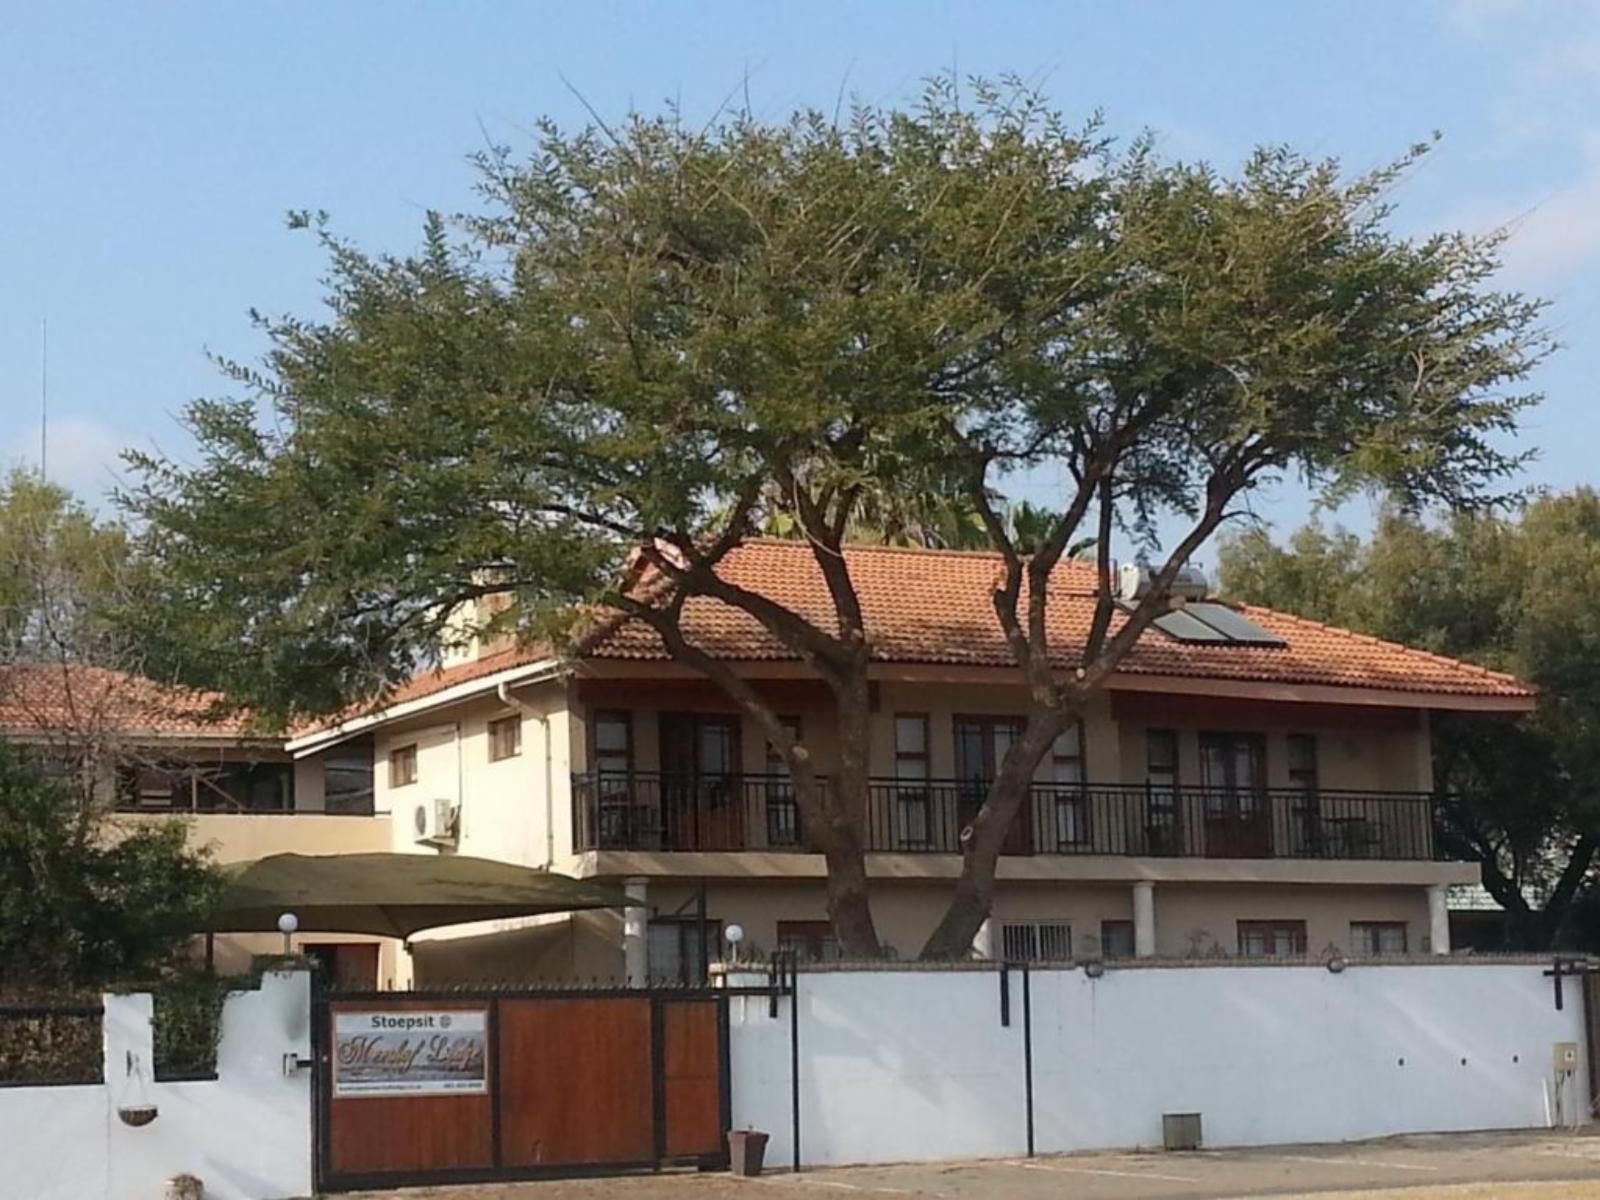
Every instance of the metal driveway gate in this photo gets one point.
(459, 1086)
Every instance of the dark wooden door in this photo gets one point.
(701, 792)
(1237, 816)
(981, 746)
(691, 1079)
(575, 1082)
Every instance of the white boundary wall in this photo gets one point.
(246, 1134)
(909, 1065)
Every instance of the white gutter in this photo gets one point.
(331, 735)
(503, 691)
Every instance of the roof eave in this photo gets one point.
(332, 735)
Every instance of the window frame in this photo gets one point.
(1120, 925)
(1038, 931)
(781, 801)
(1071, 797)
(814, 936)
(913, 798)
(686, 927)
(1379, 928)
(403, 754)
(513, 722)
(1271, 927)
(623, 717)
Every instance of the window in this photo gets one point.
(1161, 757)
(911, 771)
(810, 941)
(613, 742)
(1163, 833)
(1373, 938)
(677, 949)
(403, 765)
(1036, 941)
(982, 744)
(1116, 939)
(153, 787)
(347, 779)
(1067, 773)
(1302, 757)
(505, 738)
(1305, 812)
(783, 814)
(1272, 939)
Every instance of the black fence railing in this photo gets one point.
(649, 811)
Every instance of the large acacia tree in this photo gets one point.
(656, 338)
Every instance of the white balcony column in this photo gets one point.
(983, 940)
(1439, 918)
(635, 922)
(1144, 919)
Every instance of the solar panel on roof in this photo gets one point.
(1185, 628)
(1235, 626)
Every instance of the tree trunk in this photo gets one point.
(846, 807)
(981, 842)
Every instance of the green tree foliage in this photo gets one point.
(59, 567)
(657, 337)
(1511, 592)
(89, 906)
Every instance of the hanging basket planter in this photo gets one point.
(137, 1116)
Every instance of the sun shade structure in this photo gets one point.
(394, 895)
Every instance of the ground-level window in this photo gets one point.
(1036, 941)
(505, 738)
(1272, 939)
(1372, 938)
(1116, 939)
(810, 941)
(678, 949)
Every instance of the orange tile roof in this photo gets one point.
(932, 607)
(88, 701)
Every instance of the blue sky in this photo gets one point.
(150, 151)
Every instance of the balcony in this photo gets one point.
(655, 812)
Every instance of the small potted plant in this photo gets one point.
(185, 1187)
(747, 1151)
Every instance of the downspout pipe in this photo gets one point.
(503, 691)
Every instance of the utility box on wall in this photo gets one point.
(1180, 1131)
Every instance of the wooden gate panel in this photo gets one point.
(691, 1062)
(575, 1082)
(381, 1135)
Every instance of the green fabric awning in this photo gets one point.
(394, 895)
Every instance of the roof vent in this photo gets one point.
(1134, 582)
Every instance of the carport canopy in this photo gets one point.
(394, 895)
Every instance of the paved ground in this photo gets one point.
(1502, 1166)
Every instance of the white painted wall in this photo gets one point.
(895, 1067)
(915, 1066)
(246, 1134)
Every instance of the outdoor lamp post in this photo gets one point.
(735, 935)
(287, 924)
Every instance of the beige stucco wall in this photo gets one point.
(506, 806)
(1190, 920)
(1353, 757)
(238, 837)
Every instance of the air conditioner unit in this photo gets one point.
(437, 822)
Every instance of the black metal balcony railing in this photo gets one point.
(647, 811)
